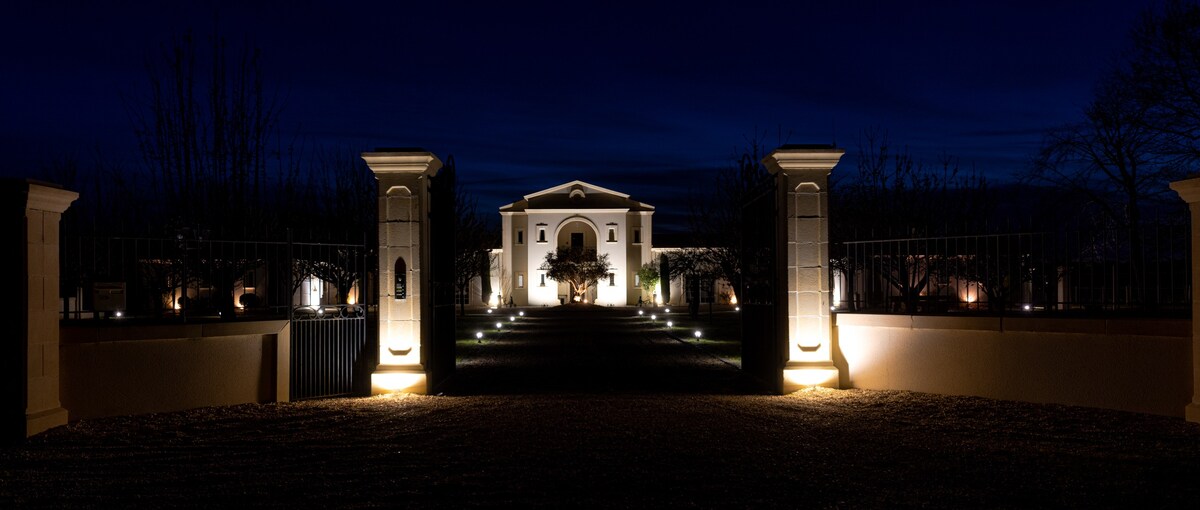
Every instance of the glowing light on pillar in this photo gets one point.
(733, 299)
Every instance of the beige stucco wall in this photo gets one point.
(111, 371)
(559, 223)
(1139, 365)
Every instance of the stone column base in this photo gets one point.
(398, 380)
(41, 421)
(1192, 412)
(800, 375)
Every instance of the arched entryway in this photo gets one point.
(576, 232)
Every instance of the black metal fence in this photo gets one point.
(330, 351)
(1145, 270)
(186, 279)
(325, 290)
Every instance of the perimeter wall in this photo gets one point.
(121, 370)
(1141, 365)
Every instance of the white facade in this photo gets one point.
(573, 213)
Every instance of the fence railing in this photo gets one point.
(125, 277)
(1146, 270)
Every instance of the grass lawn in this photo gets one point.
(720, 331)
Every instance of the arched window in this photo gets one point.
(401, 275)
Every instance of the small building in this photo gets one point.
(575, 214)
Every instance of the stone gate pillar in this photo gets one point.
(1189, 191)
(29, 379)
(405, 294)
(802, 183)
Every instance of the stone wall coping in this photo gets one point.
(84, 333)
(1119, 326)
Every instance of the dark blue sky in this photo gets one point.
(643, 97)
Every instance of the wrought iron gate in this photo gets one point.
(330, 351)
(329, 346)
(763, 293)
(439, 354)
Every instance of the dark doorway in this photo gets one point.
(577, 240)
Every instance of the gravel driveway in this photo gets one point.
(595, 410)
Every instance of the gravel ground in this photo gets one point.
(596, 410)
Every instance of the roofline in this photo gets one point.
(548, 191)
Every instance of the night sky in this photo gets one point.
(643, 98)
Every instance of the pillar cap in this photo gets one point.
(1188, 189)
(803, 157)
(49, 197)
(402, 161)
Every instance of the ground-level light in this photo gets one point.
(640, 312)
(478, 335)
(697, 333)
(498, 325)
(670, 324)
(511, 318)
(521, 313)
(653, 317)
(668, 310)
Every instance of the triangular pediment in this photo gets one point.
(573, 188)
(577, 195)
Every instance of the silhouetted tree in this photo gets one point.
(715, 216)
(1162, 73)
(205, 133)
(474, 238)
(664, 273)
(891, 194)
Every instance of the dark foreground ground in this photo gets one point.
(566, 411)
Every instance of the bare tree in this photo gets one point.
(1163, 74)
(715, 217)
(894, 195)
(474, 238)
(205, 133)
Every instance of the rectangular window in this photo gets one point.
(520, 280)
(612, 279)
(637, 235)
(543, 284)
(541, 234)
(520, 236)
(637, 280)
(612, 234)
